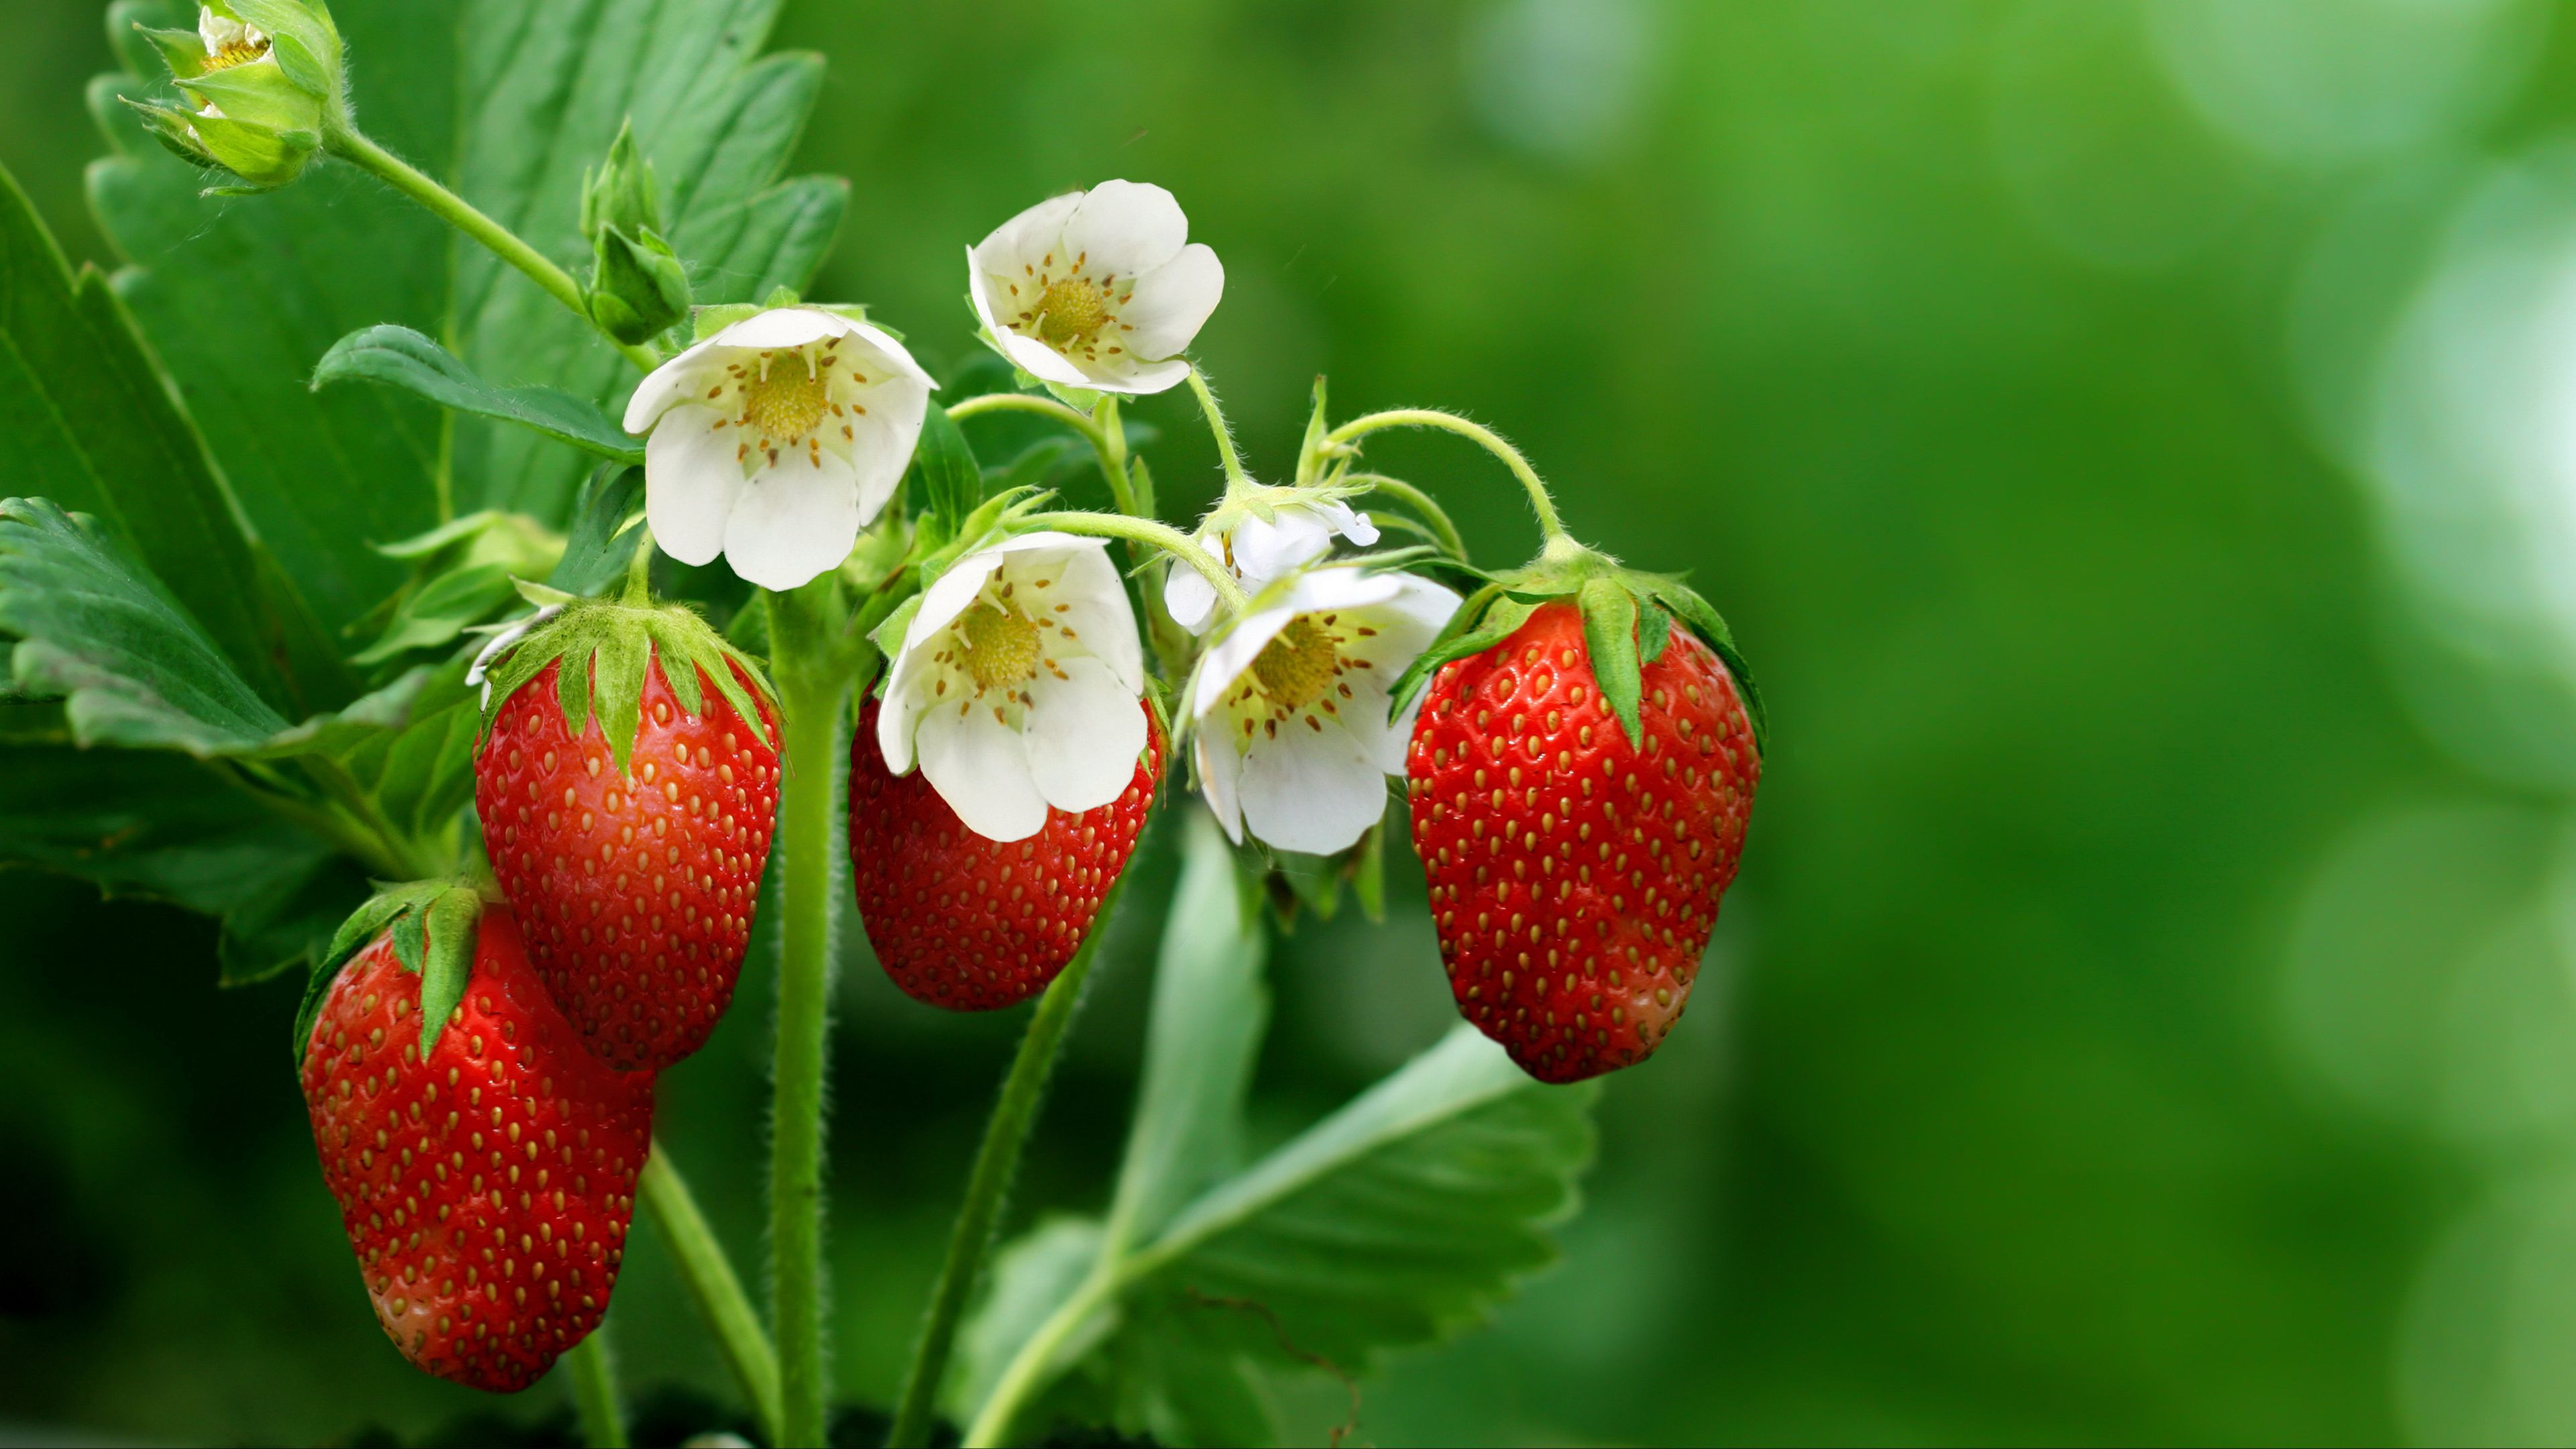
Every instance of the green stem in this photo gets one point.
(1234, 476)
(1113, 456)
(392, 850)
(594, 1391)
(714, 1287)
(1034, 1365)
(353, 147)
(996, 1162)
(1101, 430)
(811, 691)
(1444, 532)
(1161, 535)
(1544, 506)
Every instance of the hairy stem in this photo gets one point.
(1034, 1366)
(1006, 1134)
(1100, 429)
(1234, 476)
(714, 1287)
(811, 688)
(1540, 502)
(594, 1391)
(1145, 530)
(1436, 518)
(353, 147)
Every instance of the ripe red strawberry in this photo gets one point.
(486, 1189)
(973, 924)
(1575, 877)
(635, 870)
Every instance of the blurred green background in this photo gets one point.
(2136, 441)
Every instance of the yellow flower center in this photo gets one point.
(1296, 668)
(788, 401)
(1071, 311)
(1001, 646)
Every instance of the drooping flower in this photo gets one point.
(776, 440)
(1260, 550)
(1293, 740)
(1017, 685)
(263, 86)
(1097, 289)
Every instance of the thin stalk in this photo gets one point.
(594, 1391)
(1161, 535)
(393, 851)
(351, 146)
(997, 1161)
(1234, 476)
(811, 691)
(1540, 503)
(333, 824)
(714, 1287)
(1443, 532)
(1113, 456)
(1034, 1365)
(1029, 402)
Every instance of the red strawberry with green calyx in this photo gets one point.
(972, 924)
(1581, 774)
(627, 783)
(484, 1161)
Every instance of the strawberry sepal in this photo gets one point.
(432, 927)
(606, 646)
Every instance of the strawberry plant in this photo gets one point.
(522, 688)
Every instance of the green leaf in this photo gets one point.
(946, 480)
(134, 668)
(1399, 1219)
(547, 87)
(1610, 637)
(241, 298)
(154, 826)
(600, 546)
(86, 419)
(1211, 1007)
(451, 921)
(399, 357)
(442, 610)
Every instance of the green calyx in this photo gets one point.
(264, 84)
(1627, 622)
(433, 926)
(605, 645)
(638, 287)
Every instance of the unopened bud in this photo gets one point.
(264, 83)
(638, 285)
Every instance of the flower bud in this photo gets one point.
(265, 79)
(638, 285)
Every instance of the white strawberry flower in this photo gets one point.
(1293, 742)
(776, 440)
(1019, 684)
(1097, 289)
(1259, 551)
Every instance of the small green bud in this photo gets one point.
(638, 286)
(265, 82)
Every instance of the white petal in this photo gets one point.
(1171, 305)
(1224, 663)
(981, 768)
(1189, 598)
(1132, 378)
(1041, 361)
(794, 520)
(1349, 522)
(908, 697)
(1311, 790)
(1426, 606)
(950, 595)
(684, 376)
(883, 438)
(1267, 551)
(1125, 229)
(1025, 239)
(1085, 732)
(878, 347)
(691, 479)
(1220, 779)
(1101, 615)
(785, 327)
(1318, 590)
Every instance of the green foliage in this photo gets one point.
(401, 358)
(1400, 1218)
(548, 88)
(946, 482)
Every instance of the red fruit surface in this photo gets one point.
(973, 924)
(1575, 878)
(486, 1190)
(636, 890)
